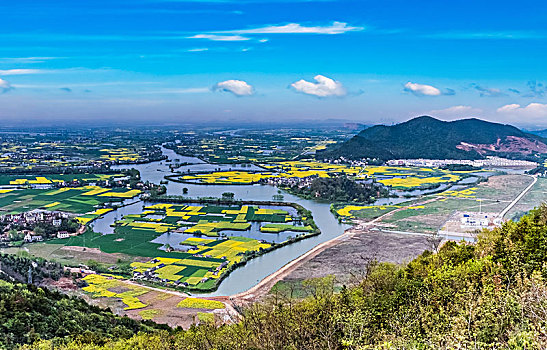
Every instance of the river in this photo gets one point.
(256, 269)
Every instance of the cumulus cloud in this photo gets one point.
(236, 87)
(532, 110)
(456, 111)
(5, 86)
(214, 37)
(297, 28)
(422, 89)
(324, 87)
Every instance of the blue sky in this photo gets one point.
(181, 61)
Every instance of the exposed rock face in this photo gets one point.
(511, 144)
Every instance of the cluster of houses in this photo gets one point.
(33, 217)
(490, 161)
(28, 220)
(291, 182)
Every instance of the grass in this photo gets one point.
(77, 200)
(53, 179)
(277, 228)
(149, 314)
(135, 242)
(206, 317)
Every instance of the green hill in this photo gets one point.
(427, 137)
(491, 295)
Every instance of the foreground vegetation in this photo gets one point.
(28, 313)
(485, 296)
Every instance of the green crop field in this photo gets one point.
(79, 200)
(56, 178)
(208, 259)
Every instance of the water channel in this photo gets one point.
(256, 269)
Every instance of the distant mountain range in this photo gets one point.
(430, 138)
(542, 133)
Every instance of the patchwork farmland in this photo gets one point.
(200, 252)
(76, 200)
(399, 178)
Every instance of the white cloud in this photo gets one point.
(533, 110)
(325, 87)
(214, 37)
(296, 28)
(4, 86)
(488, 92)
(422, 89)
(236, 87)
(28, 59)
(456, 111)
(199, 49)
(20, 71)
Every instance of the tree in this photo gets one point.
(228, 196)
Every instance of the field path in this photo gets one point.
(519, 197)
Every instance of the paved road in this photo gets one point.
(519, 197)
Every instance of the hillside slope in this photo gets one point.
(491, 295)
(427, 137)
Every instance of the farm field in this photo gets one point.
(395, 177)
(491, 196)
(534, 198)
(367, 212)
(194, 261)
(54, 179)
(77, 200)
(249, 146)
(141, 302)
(227, 177)
(35, 153)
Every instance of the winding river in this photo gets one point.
(256, 269)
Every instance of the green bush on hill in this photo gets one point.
(492, 295)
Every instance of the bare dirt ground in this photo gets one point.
(347, 260)
(162, 305)
(362, 227)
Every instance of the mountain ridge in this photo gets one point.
(431, 138)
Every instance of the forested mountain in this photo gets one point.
(427, 137)
(29, 313)
(492, 295)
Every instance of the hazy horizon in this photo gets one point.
(161, 62)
